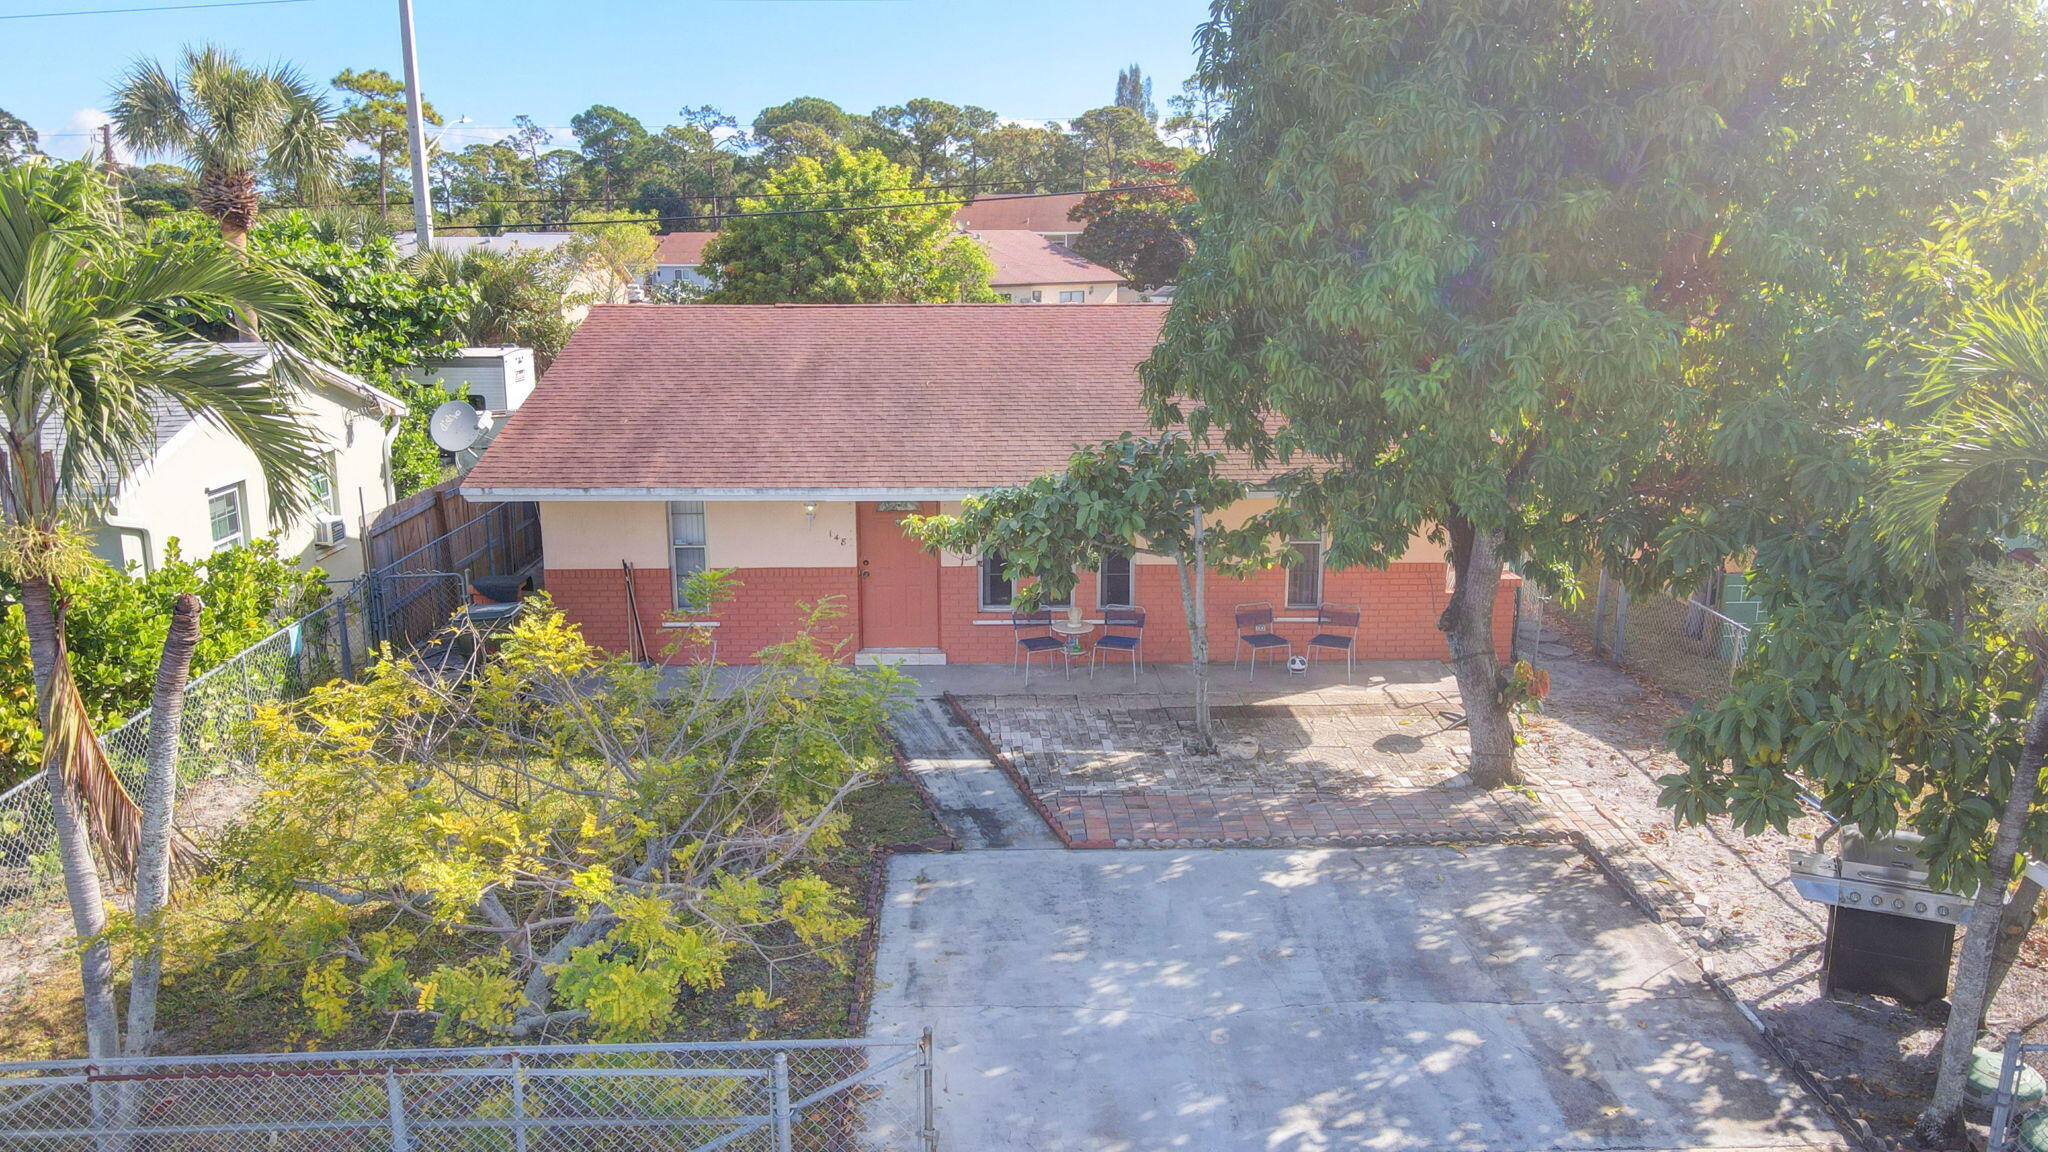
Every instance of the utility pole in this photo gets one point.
(422, 195)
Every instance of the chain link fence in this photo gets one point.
(328, 642)
(1686, 647)
(763, 1096)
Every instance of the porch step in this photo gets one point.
(872, 656)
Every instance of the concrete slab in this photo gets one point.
(1497, 999)
(977, 803)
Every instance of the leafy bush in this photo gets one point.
(116, 626)
(551, 840)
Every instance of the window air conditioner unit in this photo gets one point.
(330, 532)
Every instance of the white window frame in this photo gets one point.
(237, 494)
(1069, 296)
(330, 476)
(679, 549)
(993, 562)
(1293, 567)
(1102, 596)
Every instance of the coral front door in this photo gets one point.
(899, 580)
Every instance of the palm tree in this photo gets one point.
(231, 123)
(1985, 447)
(90, 340)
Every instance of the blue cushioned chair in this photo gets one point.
(1022, 623)
(1255, 631)
(1336, 630)
(1123, 630)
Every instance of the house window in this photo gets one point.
(686, 543)
(1305, 576)
(1037, 296)
(1113, 581)
(325, 490)
(996, 590)
(224, 511)
(1080, 297)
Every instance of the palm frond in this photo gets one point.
(149, 112)
(112, 817)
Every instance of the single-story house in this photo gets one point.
(1031, 269)
(1046, 215)
(786, 442)
(198, 485)
(678, 258)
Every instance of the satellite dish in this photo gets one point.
(455, 425)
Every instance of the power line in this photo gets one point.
(151, 8)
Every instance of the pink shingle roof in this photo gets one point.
(684, 248)
(887, 397)
(1027, 258)
(1026, 213)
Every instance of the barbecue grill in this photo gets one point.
(1885, 875)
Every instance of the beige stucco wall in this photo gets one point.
(1097, 293)
(737, 534)
(778, 534)
(599, 534)
(168, 498)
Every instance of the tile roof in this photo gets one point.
(725, 399)
(1029, 213)
(1023, 257)
(685, 249)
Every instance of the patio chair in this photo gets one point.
(1336, 630)
(1255, 631)
(1045, 642)
(1123, 630)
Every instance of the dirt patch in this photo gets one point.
(1602, 734)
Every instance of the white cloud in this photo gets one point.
(80, 136)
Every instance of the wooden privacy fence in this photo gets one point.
(422, 549)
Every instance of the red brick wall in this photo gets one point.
(1400, 606)
(762, 611)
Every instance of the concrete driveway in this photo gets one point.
(1496, 998)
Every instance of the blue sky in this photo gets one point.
(490, 60)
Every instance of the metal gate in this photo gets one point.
(768, 1096)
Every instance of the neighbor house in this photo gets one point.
(1044, 214)
(199, 486)
(1031, 269)
(586, 282)
(679, 259)
(787, 442)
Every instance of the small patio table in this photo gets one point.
(1073, 630)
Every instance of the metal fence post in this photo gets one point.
(518, 1104)
(348, 662)
(930, 1132)
(2002, 1101)
(784, 1137)
(400, 1142)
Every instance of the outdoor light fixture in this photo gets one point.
(810, 512)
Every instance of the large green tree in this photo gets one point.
(375, 118)
(90, 342)
(893, 246)
(612, 143)
(1430, 285)
(1144, 230)
(233, 124)
(17, 139)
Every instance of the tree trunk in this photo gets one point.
(153, 859)
(383, 180)
(74, 841)
(1971, 997)
(1467, 625)
(1193, 586)
(2021, 913)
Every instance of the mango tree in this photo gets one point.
(1120, 497)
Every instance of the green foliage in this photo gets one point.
(1145, 233)
(555, 840)
(116, 626)
(903, 251)
(513, 298)
(17, 139)
(1119, 497)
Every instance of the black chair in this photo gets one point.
(1255, 631)
(1029, 646)
(1123, 630)
(1336, 630)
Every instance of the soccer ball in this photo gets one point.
(1297, 665)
